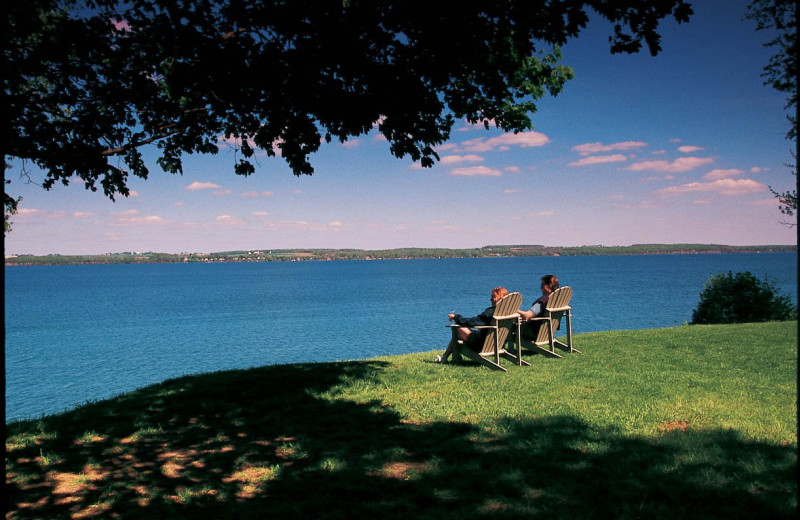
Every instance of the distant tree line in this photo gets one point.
(297, 255)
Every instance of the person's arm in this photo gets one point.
(526, 315)
(484, 318)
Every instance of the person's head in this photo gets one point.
(549, 283)
(498, 293)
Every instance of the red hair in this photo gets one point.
(498, 293)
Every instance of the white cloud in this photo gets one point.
(476, 126)
(202, 186)
(455, 159)
(473, 171)
(722, 174)
(690, 149)
(599, 159)
(229, 220)
(679, 165)
(758, 169)
(590, 148)
(724, 186)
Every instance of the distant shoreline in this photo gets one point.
(295, 255)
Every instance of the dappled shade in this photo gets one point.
(280, 442)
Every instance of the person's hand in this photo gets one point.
(451, 316)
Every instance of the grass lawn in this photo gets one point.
(684, 423)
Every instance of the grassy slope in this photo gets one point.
(686, 422)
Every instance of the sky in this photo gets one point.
(677, 148)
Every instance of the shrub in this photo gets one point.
(742, 298)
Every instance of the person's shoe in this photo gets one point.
(438, 359)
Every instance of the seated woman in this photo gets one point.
(472, 338)
(530, 329)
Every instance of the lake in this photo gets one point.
(83, 333)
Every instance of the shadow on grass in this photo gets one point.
(268, 443)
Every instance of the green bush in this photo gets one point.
(742, 298)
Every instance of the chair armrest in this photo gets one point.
(507, 317)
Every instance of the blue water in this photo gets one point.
(82, 333)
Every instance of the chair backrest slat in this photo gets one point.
(508, 306)
(557, 305)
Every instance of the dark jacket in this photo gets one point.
(484, 318)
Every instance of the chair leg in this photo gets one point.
(569, 333)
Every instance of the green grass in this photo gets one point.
(684, 423)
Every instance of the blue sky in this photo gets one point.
(680, 148)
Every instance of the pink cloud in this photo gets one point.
(599, 159)
(454, 159)
(504, 141)
(690, 149)
(682, 164)
(590, 148)
(724, 186)
(352, 143)
(81, 214)
(473, 171)
(121, 25)
(202, 186)
(722, 174)
(29, 212)
(645, 204)
(256, 194)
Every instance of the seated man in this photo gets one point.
(530, 329)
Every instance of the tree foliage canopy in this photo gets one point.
(89, 83)
(741, 298)
(781, 72)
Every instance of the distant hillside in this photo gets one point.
(277, 255)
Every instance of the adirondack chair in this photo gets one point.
(505, 320)
(557, 308)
